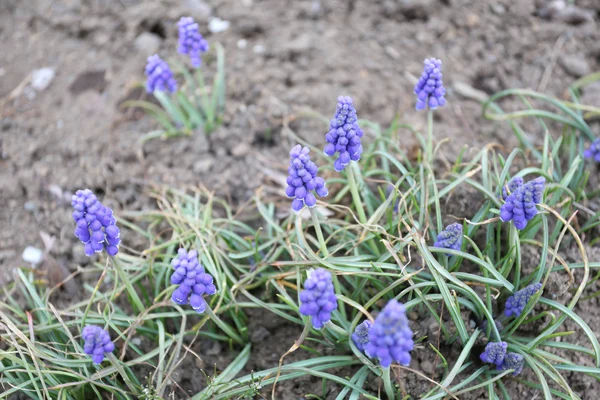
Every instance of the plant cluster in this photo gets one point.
(355, 272)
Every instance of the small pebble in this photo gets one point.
(217, 25)
(41, 78)
(32, 255)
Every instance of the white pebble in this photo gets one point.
(32, 255)
(216, 25)
(41, 78)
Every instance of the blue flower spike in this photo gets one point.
(191, 42)
(96, 343)
(360, 337)
(593, 151)
(430, 89)
(193, 281)
(513, 185)
(344, 134)
(516, 303)
(520, 205)
(390, 337)
(318, 299)
(303, 179)
(450, 238)
(512, 361)
(96, 227)
(160, 77)
(494, 353)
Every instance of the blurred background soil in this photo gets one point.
(282, 57)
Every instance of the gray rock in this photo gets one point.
(427, 367)
(147, 43)
(300, 44)
(259, 334)
(241, 150)
(591, 94)
(198, 9)
(203, 166)
(575, 65)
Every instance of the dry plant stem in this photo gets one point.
(317, 225)
(387, 383)
(294, 347)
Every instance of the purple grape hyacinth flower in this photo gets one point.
(303, 179)
(430, 89)
(520, 205)
(191, 42)
(516, 303)
(96, 342)
(390, 337)
(593, 151)
(160, 76)
(512, 361)
(360, 337)
(450, 238)
(318, 299)
(96, 227)
(494, 353)
(192, 280)
(344, 134)
(513, 185)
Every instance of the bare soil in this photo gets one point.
(283, 56)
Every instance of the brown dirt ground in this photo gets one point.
(282, 56)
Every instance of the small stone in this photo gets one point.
(498, 9)
(390, 51)
(242, 44)
(591, 93)
(197, 9)
(212, 348)
(300, 44)
(576, 66)
(216, 25)
(258, 49)
(32, 255)
(427, 367)
(241, 150)
(259, 334)
(413, 316)
(472, 20)
(147, 43)
(434, 326)
(30, 206)
(203, 166)
(41, 78)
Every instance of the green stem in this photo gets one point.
(225, 327)
(338, 330)
(356, 196)
(117, 364)
(387, 384)
(317, 225)
(430, 136)
(352, 182)
(137, 302)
